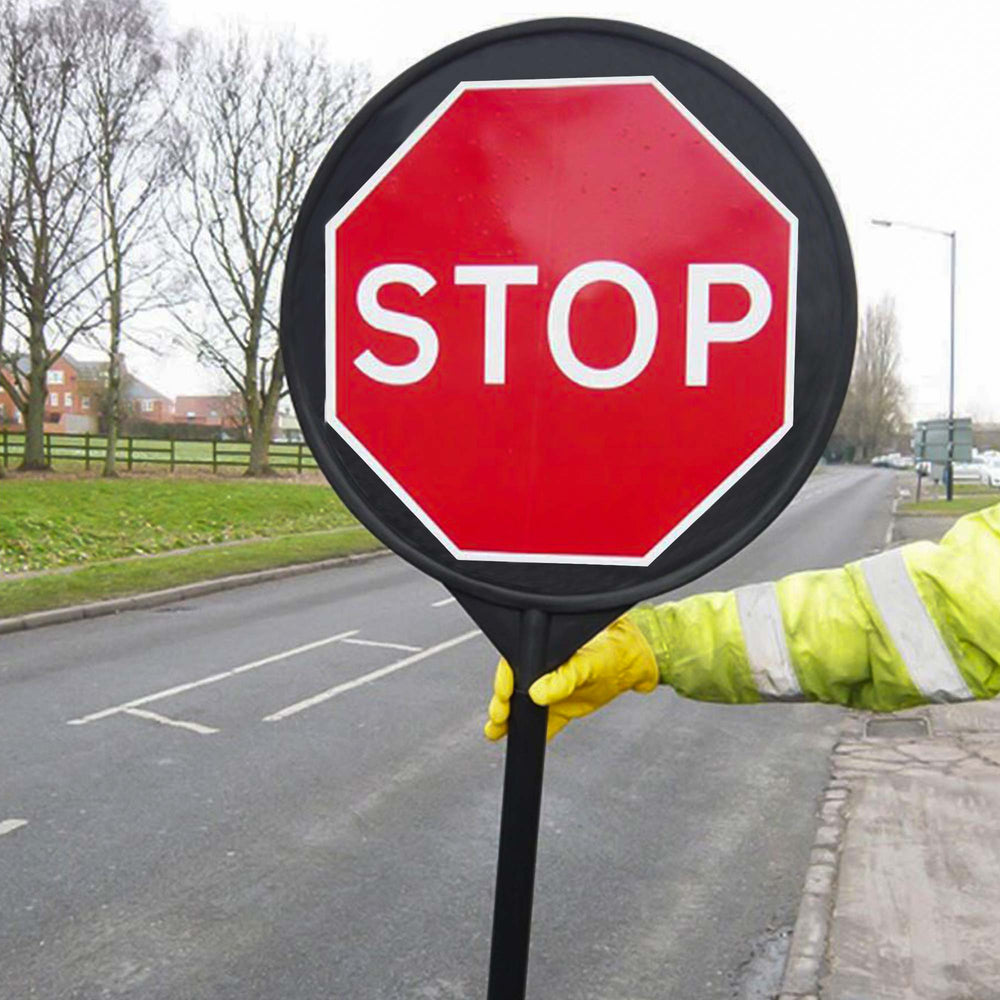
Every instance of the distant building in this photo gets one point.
(74, 390)
(10, 415)
(288, 426)
(225, 412)
(210, 411)
(143, 402)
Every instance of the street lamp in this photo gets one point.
(951, 369)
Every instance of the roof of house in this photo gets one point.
(90, 371)
(204, 404)
(87, 370)
(135, 388)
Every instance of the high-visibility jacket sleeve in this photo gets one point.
(915, 624)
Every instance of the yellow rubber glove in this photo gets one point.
(615, 660)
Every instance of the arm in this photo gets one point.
(912, 625)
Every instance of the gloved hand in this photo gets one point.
(615, 660)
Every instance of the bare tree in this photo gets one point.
(124, 108)
(50, 243)
(257, 119)
(873, 411)
(9, 190)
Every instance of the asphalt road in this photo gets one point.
(200, 824)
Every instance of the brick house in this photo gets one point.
(74, 388)
(144, 402)
(10, 415)
(227, 413)
(209, 411)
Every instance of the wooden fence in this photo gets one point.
(132, 451)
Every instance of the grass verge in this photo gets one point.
(103, 581)
(50, 523)
(957, 507)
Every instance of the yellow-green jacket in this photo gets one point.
(912, 625)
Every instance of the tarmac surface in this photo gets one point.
(282, 791)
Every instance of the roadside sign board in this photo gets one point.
(931, 437)
(568, 317)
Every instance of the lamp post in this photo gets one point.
(950, 233)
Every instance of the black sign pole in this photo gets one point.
(519, 817)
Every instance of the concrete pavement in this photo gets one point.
(282, 791)
(903, 891)
(901, 897)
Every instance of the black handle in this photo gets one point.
(519, 817)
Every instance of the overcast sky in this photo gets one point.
(899, 101)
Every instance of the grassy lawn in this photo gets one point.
(963, 503)
(98, 582)
(49, 523)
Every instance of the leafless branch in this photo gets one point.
(250, 129)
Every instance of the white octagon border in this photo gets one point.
(373, 463)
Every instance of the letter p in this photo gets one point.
(701, 331)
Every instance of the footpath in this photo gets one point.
(902, 896)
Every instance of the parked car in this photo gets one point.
(894, 460)
(890, 461)
(989, 472)
(967, 472)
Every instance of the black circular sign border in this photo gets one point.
(313, 425)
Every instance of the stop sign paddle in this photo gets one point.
(568, 317)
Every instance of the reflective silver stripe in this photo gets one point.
(912, 629)
(764, 637)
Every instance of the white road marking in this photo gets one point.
(892, 523)
(10, 825)
(383, 645)
(442, 603)
(374, 675)
(194, 727)
(180, 688)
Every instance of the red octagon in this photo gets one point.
(561, 321)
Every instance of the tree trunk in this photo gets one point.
(262, 423)
(111, 448)
(113, 395)
(114, 281)
(260, 449)
(34, 422)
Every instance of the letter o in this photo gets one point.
(646, 322)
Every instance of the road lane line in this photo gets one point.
(443, 602)
(211, 679)
(384, 645)
(892, 523)
(10, 825)
(317, 699)
(194, 727)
